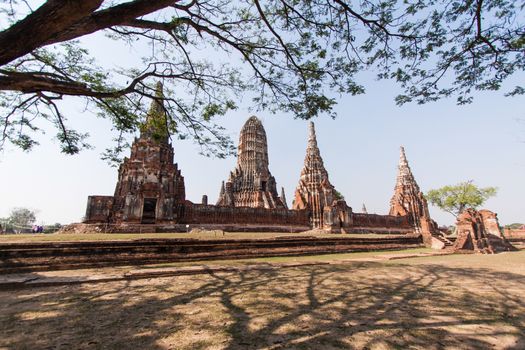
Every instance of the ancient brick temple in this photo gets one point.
(150, 188)
(251, 184)
(315, 192)
(150, 192)
(408, 200)
(149, 183)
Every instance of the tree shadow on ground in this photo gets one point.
(359, 305)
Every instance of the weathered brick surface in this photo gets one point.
(479, 231)
(515, 233)
(316, 194)
(409, 201)
(98, 209)
(70, 255)
(375, 220)
(209, 214)
(148, 174)
(251, 184)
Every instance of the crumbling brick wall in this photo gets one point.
(375, 220)
(210, 214)
(98, 209)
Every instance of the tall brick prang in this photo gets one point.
(251, 184)
(314, 191)
(408, 200)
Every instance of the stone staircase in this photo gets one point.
(447, 240)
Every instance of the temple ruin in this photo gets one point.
(251, 184)
(315, 192)
(150, 192)
(409, 201)
(149, 184)
(479, 231)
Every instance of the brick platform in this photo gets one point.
(18, 257)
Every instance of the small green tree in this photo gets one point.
(454, 199)
(21, 218)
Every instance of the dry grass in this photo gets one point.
(443, 302)
(201, 235)
(332, 258)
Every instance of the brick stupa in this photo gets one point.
(408, 200)
(251, 184)
(314, 191)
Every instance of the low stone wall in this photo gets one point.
(234, 216)
(380, 221)
(17, 257)
(233, 219)
(166, 228)
(383, 230)
(514, 234)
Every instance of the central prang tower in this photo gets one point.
(251, 184)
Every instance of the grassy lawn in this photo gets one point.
(438, 302)
(200, 235)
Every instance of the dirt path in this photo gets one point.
(437, 302)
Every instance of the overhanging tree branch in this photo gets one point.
(36, 29)
(298, 53)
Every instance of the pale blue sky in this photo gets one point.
(445, 144)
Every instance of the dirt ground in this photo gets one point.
(439, 302)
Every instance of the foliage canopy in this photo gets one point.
(455, 199)
(290, 55)
(22, 217)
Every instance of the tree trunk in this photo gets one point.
(53, 17)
